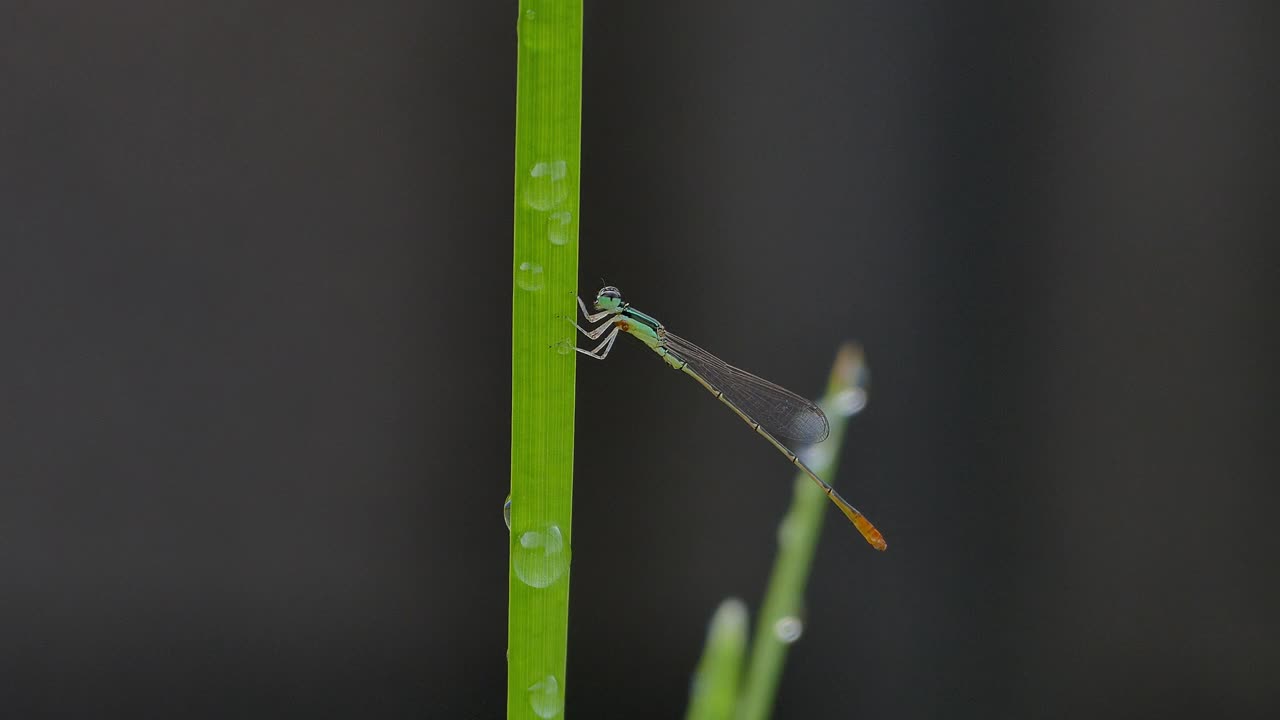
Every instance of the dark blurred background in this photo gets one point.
(255, 280)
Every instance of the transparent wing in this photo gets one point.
(779, 411)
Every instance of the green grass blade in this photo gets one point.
(545, 271)
(781, 616)
(715, 683)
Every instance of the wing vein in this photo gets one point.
(779, 411)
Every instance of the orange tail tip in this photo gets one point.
(870, 532)
(859, 520)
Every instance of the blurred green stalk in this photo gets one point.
(781, 619)
(715, 683)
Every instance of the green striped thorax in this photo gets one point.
(637, 324)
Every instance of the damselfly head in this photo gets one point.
(608, 298)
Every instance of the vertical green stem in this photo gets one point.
(545, 271)
(782, 614)
(715, 682)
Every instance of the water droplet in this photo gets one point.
(506, 513)
(541, 557)
(545, 187)
(554, 170)
(544, 697)
(529, 276)
(558, 227)
(537, 32)
(564, 347)
(788, 629)
(850, 402)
